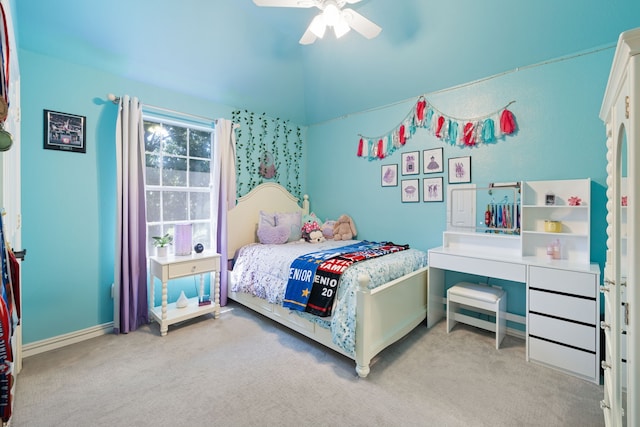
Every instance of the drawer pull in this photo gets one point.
(604, 405)
(609, 282)
(605, 365)
(193, 268)
(604, 326)
(604, 288)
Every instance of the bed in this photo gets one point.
(381, 313)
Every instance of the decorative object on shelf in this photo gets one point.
(553, 250)
(575, 201)
(624, 201)
(552, 226)
(410, 191)
(182, 301)
(432, 190)
(183, 239)
(459, 170)
(389, 175)
(161, 243)
(550, 199)
(65, 132)
(411, 163)
(468, 132)
(199, 247)
(432, 160)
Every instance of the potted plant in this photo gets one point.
(161, 243)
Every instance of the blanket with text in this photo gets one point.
(313, 278)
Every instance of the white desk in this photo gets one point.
(173, 267)
(562, 303)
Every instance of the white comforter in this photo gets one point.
(263, 270)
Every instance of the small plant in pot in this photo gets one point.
(161, 243)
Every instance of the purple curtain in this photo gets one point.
(225, 147)
(130, 293)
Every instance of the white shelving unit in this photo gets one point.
(575, 221)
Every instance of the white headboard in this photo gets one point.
(242, 220)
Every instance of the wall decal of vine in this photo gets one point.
(260, 135)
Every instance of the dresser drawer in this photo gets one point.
(569, 359)
(194, 266)
(566, 307)
(571, 282)
(569, 333)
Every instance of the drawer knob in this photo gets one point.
(604, 325)
(609, 282)
(605, 365)
(604, 288)
(193, 268)
(604, 405)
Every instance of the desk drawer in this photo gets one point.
(571, 282)
(191, 267)
(481, 267)
(569, 359)
(566, 307)
(561, 331)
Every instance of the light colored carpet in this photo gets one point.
(244, 370)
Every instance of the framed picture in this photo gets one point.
(432, 160)
(389, 176)
(432, 190)
(411, 163)
(459, 170)
(66, 132)
(410, 190)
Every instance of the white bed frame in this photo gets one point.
(383, 315)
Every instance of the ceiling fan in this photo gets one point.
(332, 15)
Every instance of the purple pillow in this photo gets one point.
(273, 235)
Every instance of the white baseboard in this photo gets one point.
(42, 346)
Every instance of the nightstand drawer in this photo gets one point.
(194, 266)
(564, 306)
(571, 282)
(564, 332)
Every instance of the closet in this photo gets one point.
(621, 114)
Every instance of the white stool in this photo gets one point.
(482, 298)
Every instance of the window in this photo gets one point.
(179, 185)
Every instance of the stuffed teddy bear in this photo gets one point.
(344, 228)
(316, 237)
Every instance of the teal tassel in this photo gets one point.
(453, 132)
(427, 121)
(487, 131)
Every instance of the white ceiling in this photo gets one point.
(235, 53)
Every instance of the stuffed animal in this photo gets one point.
(344, 228)
(316, 237)
(327, 229)
(309, 224)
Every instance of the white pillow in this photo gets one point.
(292, 220)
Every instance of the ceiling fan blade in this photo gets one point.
(361, 24)
(308, 37)
(353, 1)
(286, 3)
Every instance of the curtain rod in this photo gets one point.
(116, 99)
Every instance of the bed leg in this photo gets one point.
(363, 370)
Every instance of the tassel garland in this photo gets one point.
(461, 132)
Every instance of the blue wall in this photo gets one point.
(69, 199)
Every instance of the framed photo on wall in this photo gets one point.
(432, 160)
(432, 190)
(411, 163)
(389, 176)
(410, 190)
(65, 132)
(459, 170)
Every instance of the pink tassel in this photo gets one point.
(439, 127)
(401, 135)
(380, 152)
(360, 147)
(507, 122)
(468, 135)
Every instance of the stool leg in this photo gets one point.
(451, 309)
(501, 321)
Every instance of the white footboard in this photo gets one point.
(384, 315)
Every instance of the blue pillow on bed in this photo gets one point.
(273, 235)
(293, 222)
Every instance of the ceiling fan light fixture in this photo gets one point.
(318, 26)
(331, 15)
(341, 27)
